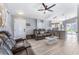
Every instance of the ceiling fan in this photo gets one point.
(47, 8)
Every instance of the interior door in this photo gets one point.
(19, 28)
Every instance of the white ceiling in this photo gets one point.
(61, 10)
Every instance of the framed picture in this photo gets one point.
(28, 24)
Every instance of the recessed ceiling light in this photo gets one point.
(20, 12)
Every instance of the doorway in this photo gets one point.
(19, 28)
(71, 33)
(71, 30)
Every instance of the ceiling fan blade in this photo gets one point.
(51, 6)
(50, 10)
(44, 5)
(41, 9)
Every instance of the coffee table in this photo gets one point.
(51, 39)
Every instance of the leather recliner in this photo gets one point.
(17, 46)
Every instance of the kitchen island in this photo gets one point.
(60, 34)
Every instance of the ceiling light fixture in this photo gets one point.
(20, 12)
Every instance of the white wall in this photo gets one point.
(36, 24)
(43, 25)
(29, 29)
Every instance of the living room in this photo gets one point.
(48, 28)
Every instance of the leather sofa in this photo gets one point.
(41, 34)
(16, 47)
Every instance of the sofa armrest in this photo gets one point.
(18, 49)
(15, 50)
(19, 40)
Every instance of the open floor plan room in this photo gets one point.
(39, 29)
